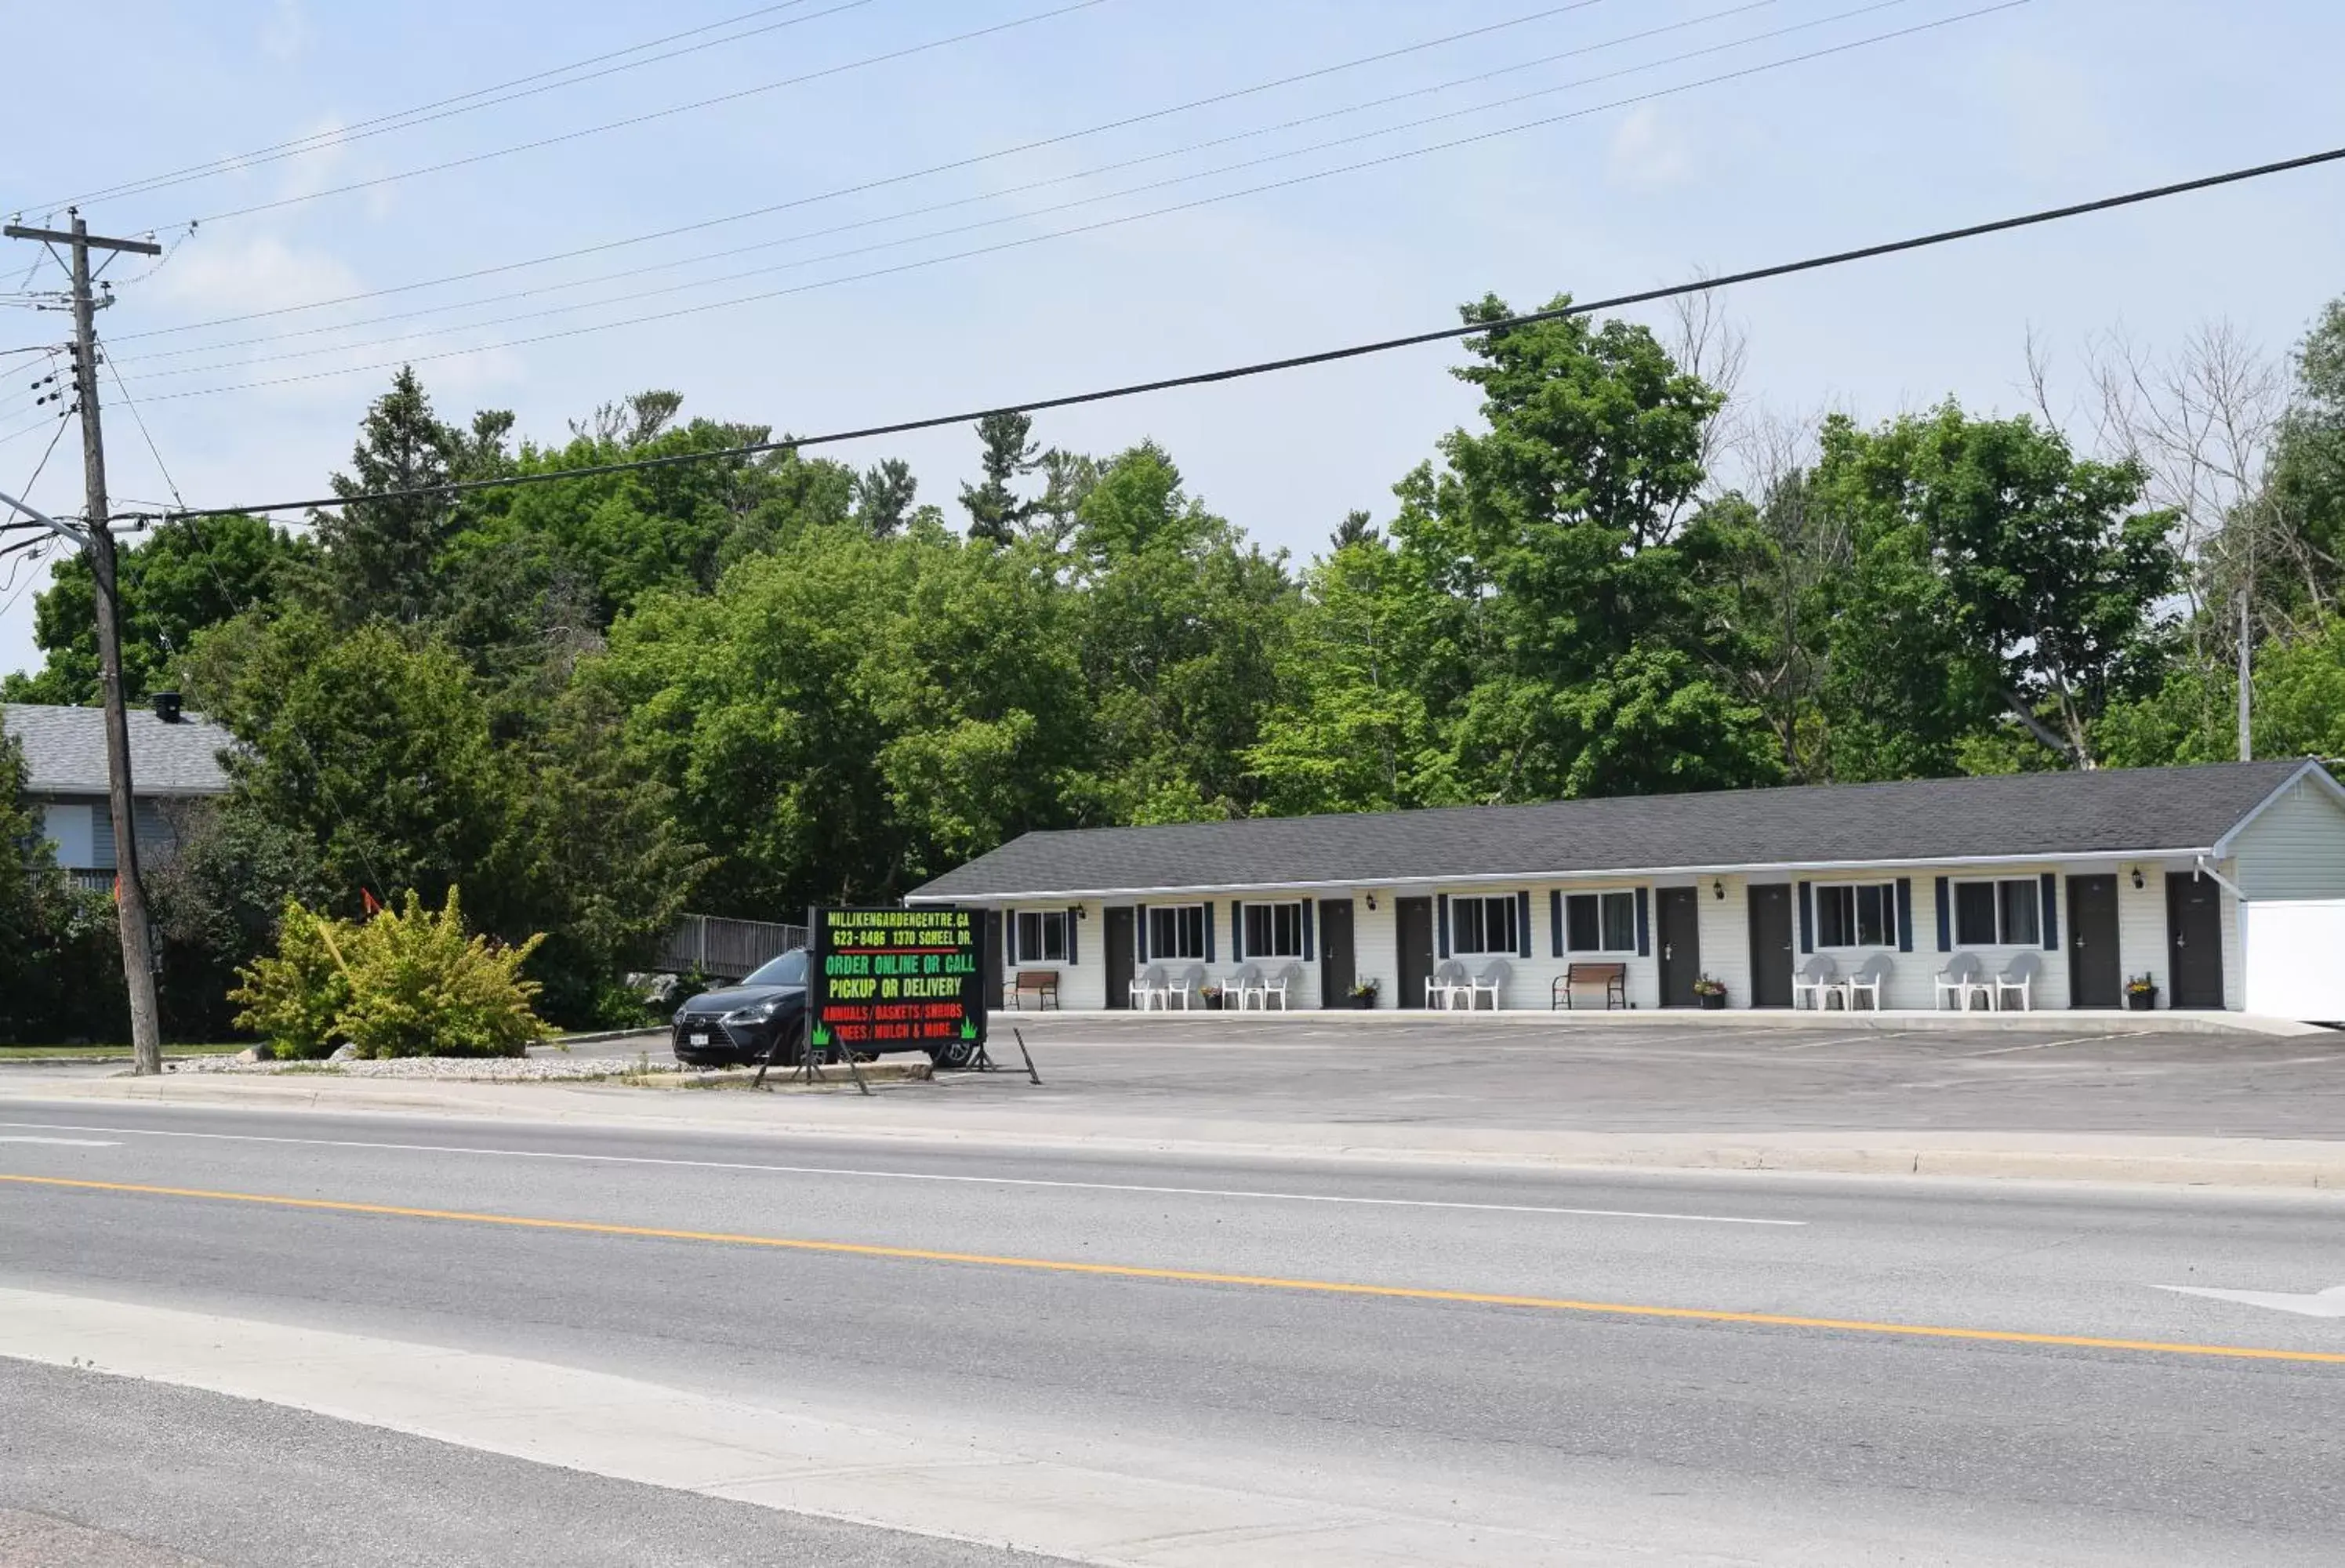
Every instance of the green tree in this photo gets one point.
(995, 510)
(1996, 576)
(183, 578)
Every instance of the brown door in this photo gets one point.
(1679, 944)
(1122, 933)
(989, 942)
(1770, 945)
(2193, 939)
(1336, 969)
(1413, 920)
(2094, 979)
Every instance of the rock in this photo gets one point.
(344, 1053)
(250, 1053)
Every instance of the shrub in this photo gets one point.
(410, 982)
(420, 987)
(294, 1000)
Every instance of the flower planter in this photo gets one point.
(2141, 1001)
(1364, 1003)
(1713, 1001)
(1211, 1000)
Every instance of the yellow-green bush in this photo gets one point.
(410, 982)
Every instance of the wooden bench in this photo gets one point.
(1613, 977)
(1042, 984)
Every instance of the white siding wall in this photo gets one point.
(1724, 935)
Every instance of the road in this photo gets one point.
(1125, 1358)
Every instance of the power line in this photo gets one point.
(645, 118)
(1027, 146)
(1006, 192)
(1325, 356)
(1024, 241)
(460, 104)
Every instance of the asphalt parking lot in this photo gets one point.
(1595, 1077)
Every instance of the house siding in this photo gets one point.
(2295, 849)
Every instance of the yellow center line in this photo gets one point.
(1199, 1276)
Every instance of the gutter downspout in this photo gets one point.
(2206, 868)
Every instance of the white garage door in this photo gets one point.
(2295, 958)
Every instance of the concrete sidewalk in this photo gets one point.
(990, 1113)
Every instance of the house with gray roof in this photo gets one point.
(2223, 886)
(174, 759)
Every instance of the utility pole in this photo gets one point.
(2247, 686)
(97, 540)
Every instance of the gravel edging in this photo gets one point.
(534, 1069)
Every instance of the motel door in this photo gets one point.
(1770, 945)
(1680, 944)
(2194, 938)
(1413, 919)
(1336, 969)
(1122, 936)
(2095, 976)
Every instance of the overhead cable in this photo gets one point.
(444, 108)
(1321, 357)
(879, 183)
(1100, 225)
(1007, 191)
(645, 118)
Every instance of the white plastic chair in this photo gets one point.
(1192, 981)
(1445, 985)
(1870, 977)
(1150, 985)
(2018, 977)
(1493, 981)
(1243, 985)
(1961, 977)
(1279, 985)
(1819, 979)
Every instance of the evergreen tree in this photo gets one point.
(995, 510)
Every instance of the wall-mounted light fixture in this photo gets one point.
(2137, 879)
(1372, 904)
(1717, 888)
(1082, 912)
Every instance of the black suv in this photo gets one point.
(740, 1024)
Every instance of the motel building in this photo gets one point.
(2194, 888)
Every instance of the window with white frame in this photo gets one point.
(1600, 922)
(1483, 925)
(1273, 930)
(1040, 937)
(1176, 931)
(1856, 914)
(2005, 912)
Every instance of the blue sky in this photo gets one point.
(2041, 103)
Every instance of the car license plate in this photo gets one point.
(699, 1039)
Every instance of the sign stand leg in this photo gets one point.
(1019, 1035)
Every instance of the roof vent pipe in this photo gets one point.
(166, 706)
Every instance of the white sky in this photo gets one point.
(2044, 102)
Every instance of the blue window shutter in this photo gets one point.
(1644, 925)
(1310, 948)
(1946, 918)
(1554, 922)
(1205, 918)
(1522, 924)
(1237, 932)
(1009, 936)
(1140, 934)
(2051, 913)
(1807, 917)
(1441, 924)
(1074, 918)
(1904, 915)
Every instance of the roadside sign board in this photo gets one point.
(896, 976)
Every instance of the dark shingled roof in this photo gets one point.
(2017, 815)
(64, 751)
